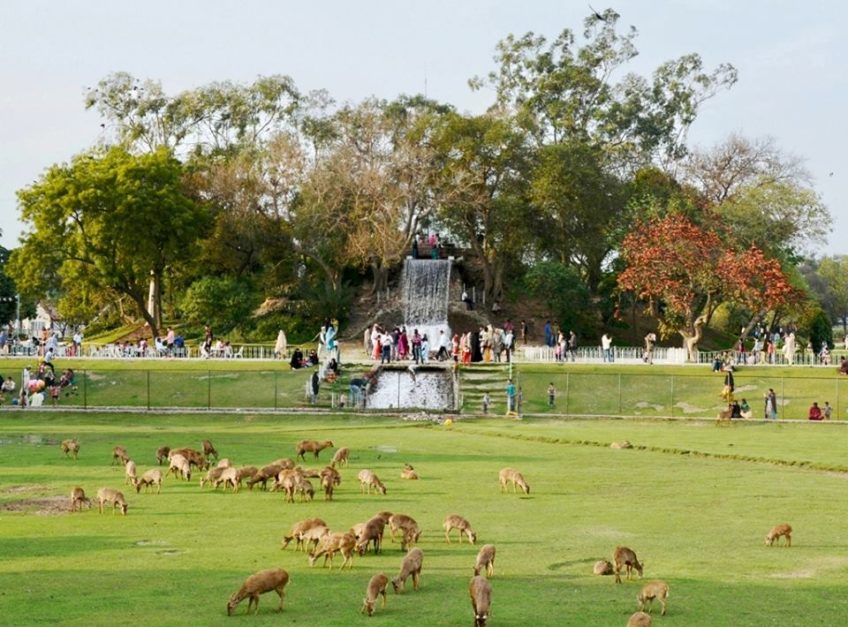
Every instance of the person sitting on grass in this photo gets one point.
(745, 409)
(843, 366)
(815, 412)
(296, 361)
(735, 410)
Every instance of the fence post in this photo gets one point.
(782, 392)
(671, 406)
(276, 393)
(398, 390)
(567, 381)
(84, 389)
(619, 394)
(209, 389)
(836, 403)
(148, 390)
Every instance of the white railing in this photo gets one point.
(595, 354)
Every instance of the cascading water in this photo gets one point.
(426, 292)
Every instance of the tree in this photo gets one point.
(761, 194)
(117, 219)
(222, 302)
(211, 118)
(832, 273)
(561, 91)
(385, 159)
(580, 204)
(481, 190)
(560, 287)
(685, 272)
(8, 291)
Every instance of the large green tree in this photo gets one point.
(481, 188)
(115, 221)
(565, 91)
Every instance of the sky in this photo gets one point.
(791, 84)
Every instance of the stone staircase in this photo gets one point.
(476, 380)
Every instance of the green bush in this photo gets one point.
(222, 302)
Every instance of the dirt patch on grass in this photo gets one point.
(18, 489)
(44, 506)
(814, 568)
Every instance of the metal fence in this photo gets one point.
(676, 396)
(590, 394)
(186, 389)
(265, 389)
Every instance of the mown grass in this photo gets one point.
(697, 522)
(608, 389)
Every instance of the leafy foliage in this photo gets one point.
(684, 272)
(221, 302)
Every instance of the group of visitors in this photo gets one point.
(37, 384)
(485, 344)
(430, 246)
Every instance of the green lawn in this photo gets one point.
(697, 522)
(600, 390)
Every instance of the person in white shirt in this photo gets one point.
(606, 345)
(443, 347)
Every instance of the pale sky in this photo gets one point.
(791, 86)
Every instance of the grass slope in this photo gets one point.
(697, 522)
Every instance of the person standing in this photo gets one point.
(416, 346)
(827, 410)
(650, 340)
(442, 353)
(606, 346)
(486, 403)
(729, 385)
(771, 405)
(385, 349)
(572, 345)
(549, 334)
(510, 397)
(523, 333)
(551, 395)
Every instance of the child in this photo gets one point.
(54, 394)
(551, 394)
(486, 403)
(827, 411)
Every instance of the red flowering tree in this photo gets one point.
(684, 272)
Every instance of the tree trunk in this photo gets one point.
(138, 299)
(381, 278)
(154, 300)
(692, 337)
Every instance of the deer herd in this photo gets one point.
(314, 536)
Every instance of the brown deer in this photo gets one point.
(784, 530)
(624, 557)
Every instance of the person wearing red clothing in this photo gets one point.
(815, 412)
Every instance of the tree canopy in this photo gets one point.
(578, 176)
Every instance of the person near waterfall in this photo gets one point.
(416, 346)
(443, 354)
(375, 342)
(403, 344)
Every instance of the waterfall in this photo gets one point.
(426, 291)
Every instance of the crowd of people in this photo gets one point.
(485, 344)
(39, 385)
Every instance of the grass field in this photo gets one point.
(697, 521)
(602, 390)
